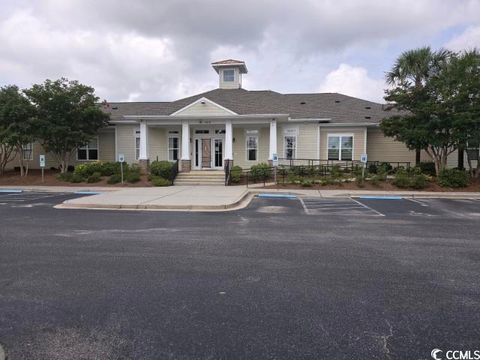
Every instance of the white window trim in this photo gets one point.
(172, 136)
(31, 152)
(340, 145)
(247, 148)
(285, 146)
(98, 152)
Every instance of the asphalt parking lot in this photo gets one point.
(280, 279)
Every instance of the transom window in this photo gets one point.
(89, 151)
(202, 131)
(228, 75)
(290, 146)
(27, 151)
(252, 147)
(173, 148)
(340, 147)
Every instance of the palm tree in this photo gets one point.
(414, 67)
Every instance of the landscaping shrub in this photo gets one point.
(260, 172)
(65, 177)
(428, 168)
(87, 169)
(94, 178)
(453, 178)
(76, 179)
(236, 174)
(115, 179)
(385, 167)
(306, 183)
(402, 179)
(162, 169)
(159, 181)
(293, 179)
(132, 176)
(282, 170)
(112, 168)
(411, 178)
(335, 172)
(372, 168)
(103, 168)
(418, 181)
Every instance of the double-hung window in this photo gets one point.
(252, 147)
(27, 151)
(290, 146)
(228, 75)
(173, 148)
(340, 147)
(88, 151)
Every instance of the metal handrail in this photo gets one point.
(228, 172)
(346, 163)
(175, 171)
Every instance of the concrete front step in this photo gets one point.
(201, 177)
(198, 184)
(195, 174)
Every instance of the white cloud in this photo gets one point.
(354, 81)
(160, 50)
(468, 40)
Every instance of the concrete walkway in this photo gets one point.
(206, 198)
(165, 198)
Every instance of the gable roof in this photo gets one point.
(337, 107)
(230, 62)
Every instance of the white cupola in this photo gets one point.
(230, 73)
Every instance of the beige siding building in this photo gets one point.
(231, 125)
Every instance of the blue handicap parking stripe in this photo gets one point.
(276, 196)
(380, 197)
(10, 191)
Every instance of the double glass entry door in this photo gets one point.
(208, 153)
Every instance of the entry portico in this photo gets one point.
(207, 142)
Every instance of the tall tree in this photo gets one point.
(67, 116)
(17, 115)
(460, 82)
(442, 114)
(412, 69)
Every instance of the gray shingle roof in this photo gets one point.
(337, 107)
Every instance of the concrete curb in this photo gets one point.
(58, 189)
(241, 202)
(347, 193)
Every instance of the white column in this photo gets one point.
(143, 141)
(185, 141)
(228, 140)
(273, 139)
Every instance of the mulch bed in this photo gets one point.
(34, 178)
(382, 186)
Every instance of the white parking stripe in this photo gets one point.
(368, 207)
(304, 207)
(343, 207)
(421, 203)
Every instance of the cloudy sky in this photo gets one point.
(154, 50)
